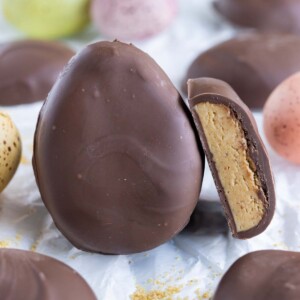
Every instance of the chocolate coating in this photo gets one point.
(207, 218)
(253, 64)
(28, 70)
(32, 276)
(262, 275)
(275, 15)
(116, 155)
(208, 90)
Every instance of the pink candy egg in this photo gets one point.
(132, 19)
(282, 119)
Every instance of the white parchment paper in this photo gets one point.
(188, 266)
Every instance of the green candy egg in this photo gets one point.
(47, 19)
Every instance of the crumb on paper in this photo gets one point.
(24, 160)
(35, 244)
(159, 283)
(4, 244)
(280, 245)
(9, 242)
(166, 294)
(18, 237)
(201, 296)
(169, 293)
(205, 295)
(192, 282)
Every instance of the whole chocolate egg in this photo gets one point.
(33, 276)
(116, 157)
(29, 69)
(274, 15)
(262, 275)
(252, 63)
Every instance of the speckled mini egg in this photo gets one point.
(10, 150)
(282, 119)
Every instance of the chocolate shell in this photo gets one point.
(262, 275)
(116, 156)
(272, 16)
(253, 64)
(32, 276)
(236, 155)
(207, 218)
(28, 70)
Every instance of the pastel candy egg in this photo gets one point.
(44, 19)
(282, 119)
(10, 150)
(132, 19)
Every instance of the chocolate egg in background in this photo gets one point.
(252, 63)
(271, 16)
(29, 69)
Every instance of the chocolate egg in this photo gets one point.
(282, 119)
(29, 68)
(10, 150)
(132, 19)
(262, 275)
(116, 157)
(207, 218)
(33, 276)
(275, 15)
(253, 64)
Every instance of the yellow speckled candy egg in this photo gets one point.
(282, 119)
(10, 150)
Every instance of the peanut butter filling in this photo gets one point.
(228, 145)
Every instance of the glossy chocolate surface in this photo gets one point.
(116, 156)
(218, 92)
(271, 16)
(28, 70)
(253, 64)
(32, 276)
(262, 275)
